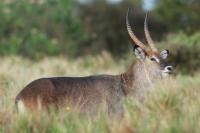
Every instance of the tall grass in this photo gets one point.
(173, 106)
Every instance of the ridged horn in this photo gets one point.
(132, 35)
(148, 36)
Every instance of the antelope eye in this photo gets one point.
(152, 59)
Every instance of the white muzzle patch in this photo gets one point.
(167, 70)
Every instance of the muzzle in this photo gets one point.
(168, 69)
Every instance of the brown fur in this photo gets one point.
(90, 93)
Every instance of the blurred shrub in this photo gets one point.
(36, 29)
(184, 51)
(179, 14)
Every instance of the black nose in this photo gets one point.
(169, 68)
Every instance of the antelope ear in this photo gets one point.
(139, 53)
(164, 54)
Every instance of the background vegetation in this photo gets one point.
(41, 38)
(70, 28)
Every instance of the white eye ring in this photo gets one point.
(155, 59)
(152, 59)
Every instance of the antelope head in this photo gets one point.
(154, 61)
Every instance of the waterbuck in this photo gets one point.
(88, 93)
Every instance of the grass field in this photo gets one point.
(173, 106)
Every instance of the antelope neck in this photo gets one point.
(147, 74)
(128, 77)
